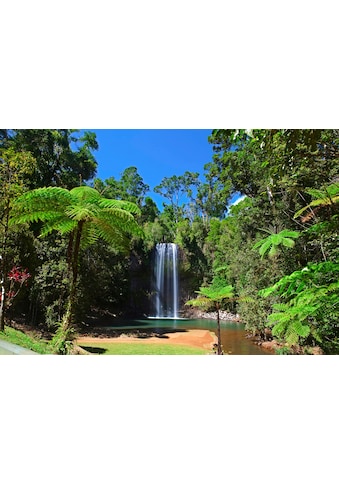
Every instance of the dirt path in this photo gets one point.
(203, 339)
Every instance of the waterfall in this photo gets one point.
(165, 284)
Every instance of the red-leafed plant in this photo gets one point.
(18, 277)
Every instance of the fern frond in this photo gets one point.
(328, 196)
(62, 225)
(79, 213)
(279, 329)
(273, 251)
(89, 236)
(291, 336)
(280, 307)
(301, 330)
(37, 216)
(199, 302)
(264, 247)
(120, 204)
(288, 243)
(286, 233)
(265, 292)
(85, 193)
(278, 317)
(217, 294)
(45, 194)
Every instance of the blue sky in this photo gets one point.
(156, 153)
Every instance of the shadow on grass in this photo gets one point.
(140, 333)
(94, 350)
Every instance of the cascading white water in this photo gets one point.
(166, 285)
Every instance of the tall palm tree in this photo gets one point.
(210, 297)
(86, 217)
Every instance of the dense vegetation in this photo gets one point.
(73, 245)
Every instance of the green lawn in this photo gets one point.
(19, 338)
(136, 348)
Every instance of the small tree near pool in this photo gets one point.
(211, 298)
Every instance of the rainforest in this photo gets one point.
(256, 238)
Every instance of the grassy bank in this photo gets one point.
(19, 338)
(136, 348)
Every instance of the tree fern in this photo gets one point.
(85, 216)
(328, 196)
(212, 297)
(271, 243)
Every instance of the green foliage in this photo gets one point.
(104, 279)
(175, 188)
(195, 267)
(62, 210)
(24, 340)
(130, 187)
(211, 298)
(153, 233)
(284, 351)
(62, 342)
(308, 295)
(15, 169)
(326, 197)
(50, 286)
(280, 171)
(64, 157)
(271, 243)
(149, 211)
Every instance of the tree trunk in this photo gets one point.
(2, 307)
(69, 315)
(62, 342)
(219, 332)
(4, 268)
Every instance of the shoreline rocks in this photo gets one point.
(224, 315)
